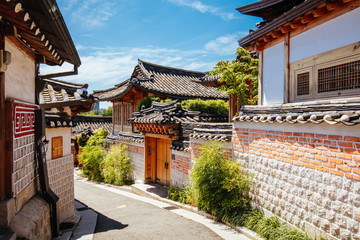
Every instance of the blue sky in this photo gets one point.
(110, 35)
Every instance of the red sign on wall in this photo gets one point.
(24, 119)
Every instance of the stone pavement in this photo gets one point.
(151, 194)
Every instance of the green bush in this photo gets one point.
(92, 155)
(116, 166)
(219, 184)
(90, 158)
(217, 107)
(146, 102)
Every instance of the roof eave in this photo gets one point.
(281, 20)
(60, 25)
(257, 6)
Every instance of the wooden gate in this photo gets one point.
(157, 160)
(163, 161)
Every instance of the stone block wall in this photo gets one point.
(308, 175)
(136, 153)
(33, 221)
(23, 162)
(180, 168)
(61, 180)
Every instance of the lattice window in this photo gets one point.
(340, 77)
(303, 86)
(57, 147)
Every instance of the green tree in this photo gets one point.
(240, 77)
(92, 155)
(107, 112)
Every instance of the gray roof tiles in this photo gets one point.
(164, 81)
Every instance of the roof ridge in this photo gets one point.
(143, 69)
(66, 83)
(171, 68)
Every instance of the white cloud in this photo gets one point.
(224, 45)
(91, 13)
(199, 6)
(104, 67)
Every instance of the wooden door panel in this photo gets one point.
(163, 161)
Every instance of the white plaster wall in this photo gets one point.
(58, 132)
(20, 74)
(338, 32)
(273, 75)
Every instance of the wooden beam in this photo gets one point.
(286, 68)
(332, 6)
(285, 29)
(154, 135)
(2, 137)
(307, 18)
(8, 148)
(294, 25)
(276, 34)
(261, 74)
(319, 12)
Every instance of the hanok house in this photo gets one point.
(149, 79)
(167, 152)
(302, 142)
(164, 142)
(61, 100)
(32, 32)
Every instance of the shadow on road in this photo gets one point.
(157, 189)
(105, 224)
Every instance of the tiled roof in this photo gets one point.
(163, 81)
(58, 93)
(57, 120)
(212, 131)
(84, 123)
(345, 111)
(41, 28)
(117, 91)
(171, 112)
(210, 78)
(126, 136)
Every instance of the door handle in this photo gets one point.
(166, 165)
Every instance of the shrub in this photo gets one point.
(219, 184)
(90, 158)
(92, 154)
(217, 107)
(116, 166)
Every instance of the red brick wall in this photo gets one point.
(135, 149)
(336, 154)
(181, 164)
(195, 149)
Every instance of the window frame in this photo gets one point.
(312, 64)
(53, 155)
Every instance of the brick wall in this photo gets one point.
(180, 168)
(24, 162)
(307, 174)
(195, 148)
(61, 180)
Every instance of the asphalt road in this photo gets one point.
(123, 217)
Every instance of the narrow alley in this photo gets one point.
(124, 215)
